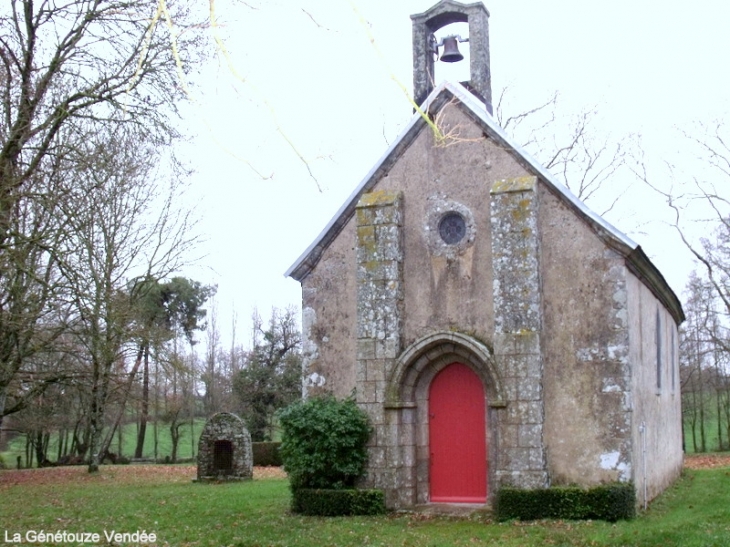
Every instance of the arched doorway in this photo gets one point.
(457, 436)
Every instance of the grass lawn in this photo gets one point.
(695, 512)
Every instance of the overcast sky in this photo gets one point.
(305, 82)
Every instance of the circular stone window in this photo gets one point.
(449, 228)
(452, 228)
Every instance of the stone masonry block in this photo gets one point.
(365, 216)
(392, 437)
(509, 434)
(380, 391)
(389, 348)
(422, 471)
(405, 497)
(524, 413)
(376, 413)
(529, 391)
(529, 436)
(388, 215)
(376, 456)
(378, 270)
(379, 198)
(519, 343)
(519, 184)
(519, 459)
(375, 370)
(393, 457)
(366, 349)
(361, 370)
(407, 477)
(366, 392)
(510, 386)
(366, 237)
(527, 480)
(408, 455)
(522, 367)
(408, 416)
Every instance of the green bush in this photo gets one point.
(266, 454)
(610, 502)
(323, 443)
(2, 462)
(335, 503)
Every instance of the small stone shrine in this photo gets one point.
(224, 449)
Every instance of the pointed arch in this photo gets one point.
(434, 352)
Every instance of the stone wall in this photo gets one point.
(588, 393)
(657, 419)
(328, 320)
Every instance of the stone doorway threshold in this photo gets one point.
(452, 509)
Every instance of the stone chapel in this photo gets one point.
(495, 329)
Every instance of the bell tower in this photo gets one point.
(426, 47)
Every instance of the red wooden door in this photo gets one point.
(457, 436)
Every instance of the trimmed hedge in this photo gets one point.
(266, 454)
(336, 503)
(610, 502)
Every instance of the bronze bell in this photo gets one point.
(451, 52)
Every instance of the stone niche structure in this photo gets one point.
(224, 449)
(496, 330)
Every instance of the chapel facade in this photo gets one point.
(496, 330)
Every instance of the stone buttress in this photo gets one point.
(379, 326)
(517, 290)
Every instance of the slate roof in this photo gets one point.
(636, 259)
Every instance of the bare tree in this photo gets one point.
(696, 349)
(68, 69)
(124, 225)
(571, 148)
(698, 202)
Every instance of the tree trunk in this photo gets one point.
(119, 440)
(719, 420)
(192, 435)
(726, 408)
(28, 451)
(61, 435)
(144, 415)
(3, 397)
(96, 414)
(38, 445)
(175, 436)
(120, 416)
(157, 407)
(703, 440)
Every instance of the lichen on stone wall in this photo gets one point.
(310, 350)
(518, 324)
(379, 327)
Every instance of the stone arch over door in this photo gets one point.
(407, 393)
